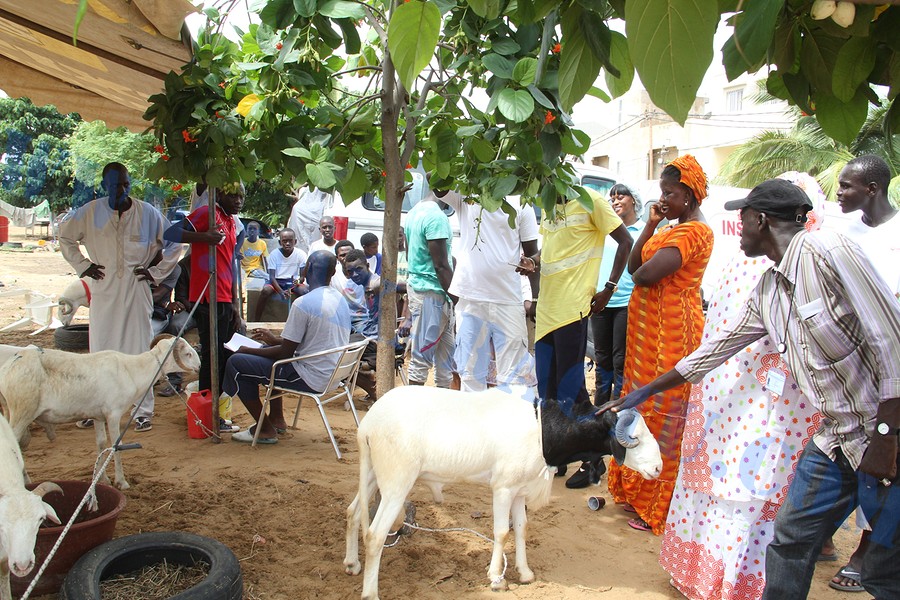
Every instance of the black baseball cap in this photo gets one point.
(777, 198)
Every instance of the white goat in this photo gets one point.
(76, 295)
(440, 436)
(52, 386)
(21, 512)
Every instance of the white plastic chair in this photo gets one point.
(340, 386)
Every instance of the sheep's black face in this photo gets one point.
(581, 436)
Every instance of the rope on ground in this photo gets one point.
(100, 471)
(499, 579)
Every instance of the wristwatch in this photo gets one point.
(885, 429)
(611, 286)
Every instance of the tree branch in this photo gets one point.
(366, 68)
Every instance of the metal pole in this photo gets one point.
(213, 322)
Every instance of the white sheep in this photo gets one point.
(76, 295)
(21, 512)
(52, 386)
(440, 436)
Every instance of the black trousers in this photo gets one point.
(559, 359)
(609, 329)
(225, 319)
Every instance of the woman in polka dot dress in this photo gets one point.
(740, 445)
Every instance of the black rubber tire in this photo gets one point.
(130, 553)
(73, 338)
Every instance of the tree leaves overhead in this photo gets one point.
(753, 31)
(578, 65)
(412, 37)
(515, 105)
(854, 63)
(620, 57)
(671, 46)
(841, 120)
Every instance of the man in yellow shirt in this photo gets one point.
(569, 262)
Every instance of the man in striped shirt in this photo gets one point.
(838, 326)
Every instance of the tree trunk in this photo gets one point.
(393, 203)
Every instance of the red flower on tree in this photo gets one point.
(549, 118)
(159, 149)
(557, 48)
(176, 187)
(279, 46)
(222, 85)
(188, 138)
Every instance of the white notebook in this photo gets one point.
(238, 340)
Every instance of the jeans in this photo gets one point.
(609, 351)
(432, 338)
(820, 498)
(559, 357)
(225, 325)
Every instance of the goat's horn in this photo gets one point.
(45, 487)
(625, 428)
(159, 338)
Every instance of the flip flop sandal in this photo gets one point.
(827, 557)
(850, 573)
(629, 508)
(639, 524)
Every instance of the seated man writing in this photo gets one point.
(285, 266)
(319, 320)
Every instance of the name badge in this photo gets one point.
(775, 381)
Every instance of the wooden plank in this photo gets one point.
(114, 26)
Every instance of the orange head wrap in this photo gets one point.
(692, 175)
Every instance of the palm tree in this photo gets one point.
(807, 148)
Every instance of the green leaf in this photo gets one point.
(621, 59)
(341, 9)
(599, 94)
(786, 44)
(445, 142)
(79, 17)
(841, 120)
(352, 43)
(301, 152)
(354, 184)
(305, 8)
(278, 14)
(578, 66)
(498, 65)
(754, 28)
(541, 98)
(488, 9)
(599, 38)
(524, 71)
(818, 55)
(894, 76)
(505, 186)
(585, 199)
(320, 176)
(412, 37)
(577, 143)
(505, 46)
(469, 130)
(511, 214)
(515, 105)
(855, 62)
(671, 46)
(482, 150)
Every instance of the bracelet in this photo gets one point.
(533, 263)
(534, 299)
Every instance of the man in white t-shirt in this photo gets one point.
(326, 228)
(490, 314)
(285, 268)
(306, 213)
(863, 186)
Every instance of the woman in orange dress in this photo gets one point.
(665, 322)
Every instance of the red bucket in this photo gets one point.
(199, 415)
(4, 230)
(341, 224)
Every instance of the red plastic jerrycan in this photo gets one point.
(199, 415)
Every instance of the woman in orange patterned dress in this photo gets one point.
(665, 321)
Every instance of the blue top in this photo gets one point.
(622, 295)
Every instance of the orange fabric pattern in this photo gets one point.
(692, 175)
(665, 323)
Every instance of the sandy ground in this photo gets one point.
(281, 508)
